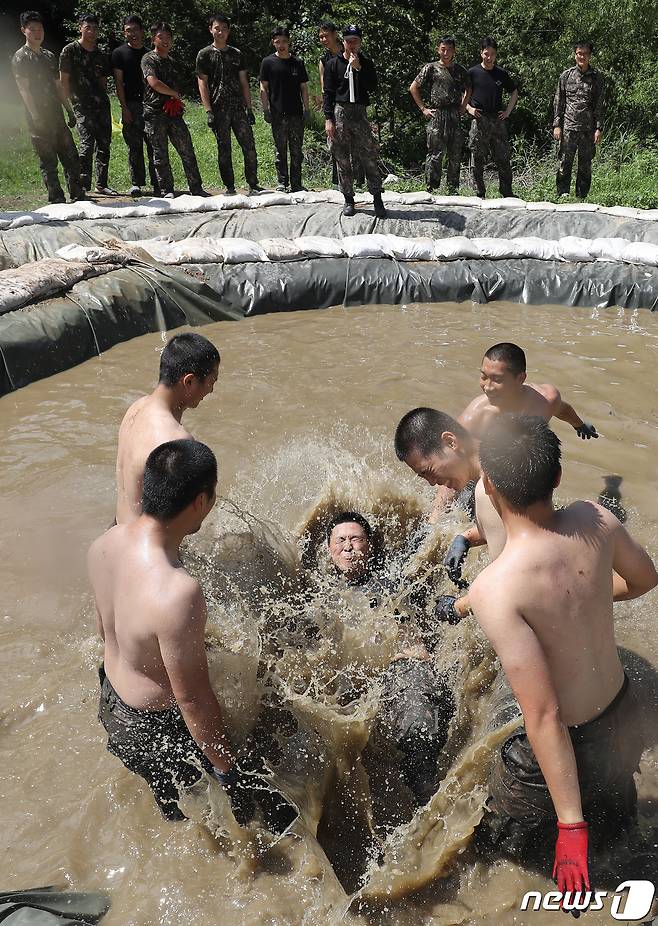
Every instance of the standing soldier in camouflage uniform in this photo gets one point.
(448, 88)
(224, 90)
(84, 70)
(37, 77)
(577, 114)
(284, 95)
(349, 79)
(129, 81)
(163, 115)
(489, 130)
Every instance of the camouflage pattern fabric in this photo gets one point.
(444, 89)
(235, 117)
(159, 130)
(288, 134)
(95, 131)
(488, 138)
(572, 143)
(222, 68)
(354, 135)
(578, 103)
(164, 69)
(86, 70)
(134, 137)
(58, 144)
(441, 86)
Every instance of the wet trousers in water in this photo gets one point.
(156, 745)
(353, 139)
(488, 138)
(57, 143)
(608, 749)
(582, 144)
(288, 135)
(233, 117)
(160, 129)
(95, 130)
(135, 139)
(444, 142)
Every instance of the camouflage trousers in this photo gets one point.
(488, 138)
(353, 136)
(235, 118)
(571, 143)
(51, 145)
(444, 142)
(133, 135)
(160, 129)
(288, 135)
(95, 131)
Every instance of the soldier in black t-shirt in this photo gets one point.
(333, 48)
(488, 133)
(126, 63)
(37, 77)
(284, 95)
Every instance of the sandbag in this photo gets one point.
(608, 248)
(22, 285)
(640, 253)
(281, 249)
(410, 248)
(456, 248)
(317, 246)
(366, 246)
(574, 249)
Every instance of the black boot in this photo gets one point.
(380, 209)
(349, 208)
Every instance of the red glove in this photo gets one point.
(570, 868)
(173, 107)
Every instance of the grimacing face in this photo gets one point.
(349, 549)
(497, 382)
(450, 468)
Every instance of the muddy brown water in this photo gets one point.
(301, 420)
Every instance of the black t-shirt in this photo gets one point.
(488, 88)
(284, 77)
(129, 61)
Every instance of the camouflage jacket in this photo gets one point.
(578, 103)
(86, 70)
(222, 68)
(39, 70)
(164, 69)
(443, 86)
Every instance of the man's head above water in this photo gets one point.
(503, 373)
(437, 448)
(349, 540)
(190, 364)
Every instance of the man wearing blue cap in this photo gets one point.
(349, 79)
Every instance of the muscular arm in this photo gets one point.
(184, 657)
(559, 408)
(472, 417)
(527, 671)
(634, 572)
(414, 90)
(244, 84)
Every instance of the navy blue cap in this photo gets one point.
(352, 30)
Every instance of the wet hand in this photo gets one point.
(586, 431)
(570, 870)
(455, 556)
(557, 133)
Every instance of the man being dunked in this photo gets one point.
(349, 79)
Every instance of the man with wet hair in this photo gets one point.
(488, 135)
(349, 81)
(284, 96)
(505, 391)
(578, 120)
(189, 367)
(546, 605)
(447, 86)
(157, 705)
(416, 705)
(163, 115)
(126, 63)
(37, 78)
(225, 95)
(84, 70)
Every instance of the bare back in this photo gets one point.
(489, 522)
(147, 424)
(533, 399)
(557, 580)
(140, 594)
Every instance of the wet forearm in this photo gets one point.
(553, 749)
(203, 718)
(566, 412)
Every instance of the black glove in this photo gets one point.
(455, 556)
(248, 785)
(444, 609)
(72, 121)
(586, 431)
(307, 116)
(251, 118)
(267, 116)
(210, 119)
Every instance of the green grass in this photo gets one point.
(625, 170)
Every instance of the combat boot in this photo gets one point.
(349, 208)
(380, 208)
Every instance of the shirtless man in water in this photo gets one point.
(189, 367)
(502, 380)
(157, 705)
(545, 604)
(443, 453)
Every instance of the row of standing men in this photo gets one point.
(148, 87)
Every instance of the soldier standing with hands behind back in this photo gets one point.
(577, 114)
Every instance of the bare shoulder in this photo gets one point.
(549, 392)
(181, 601)
(475, 412)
